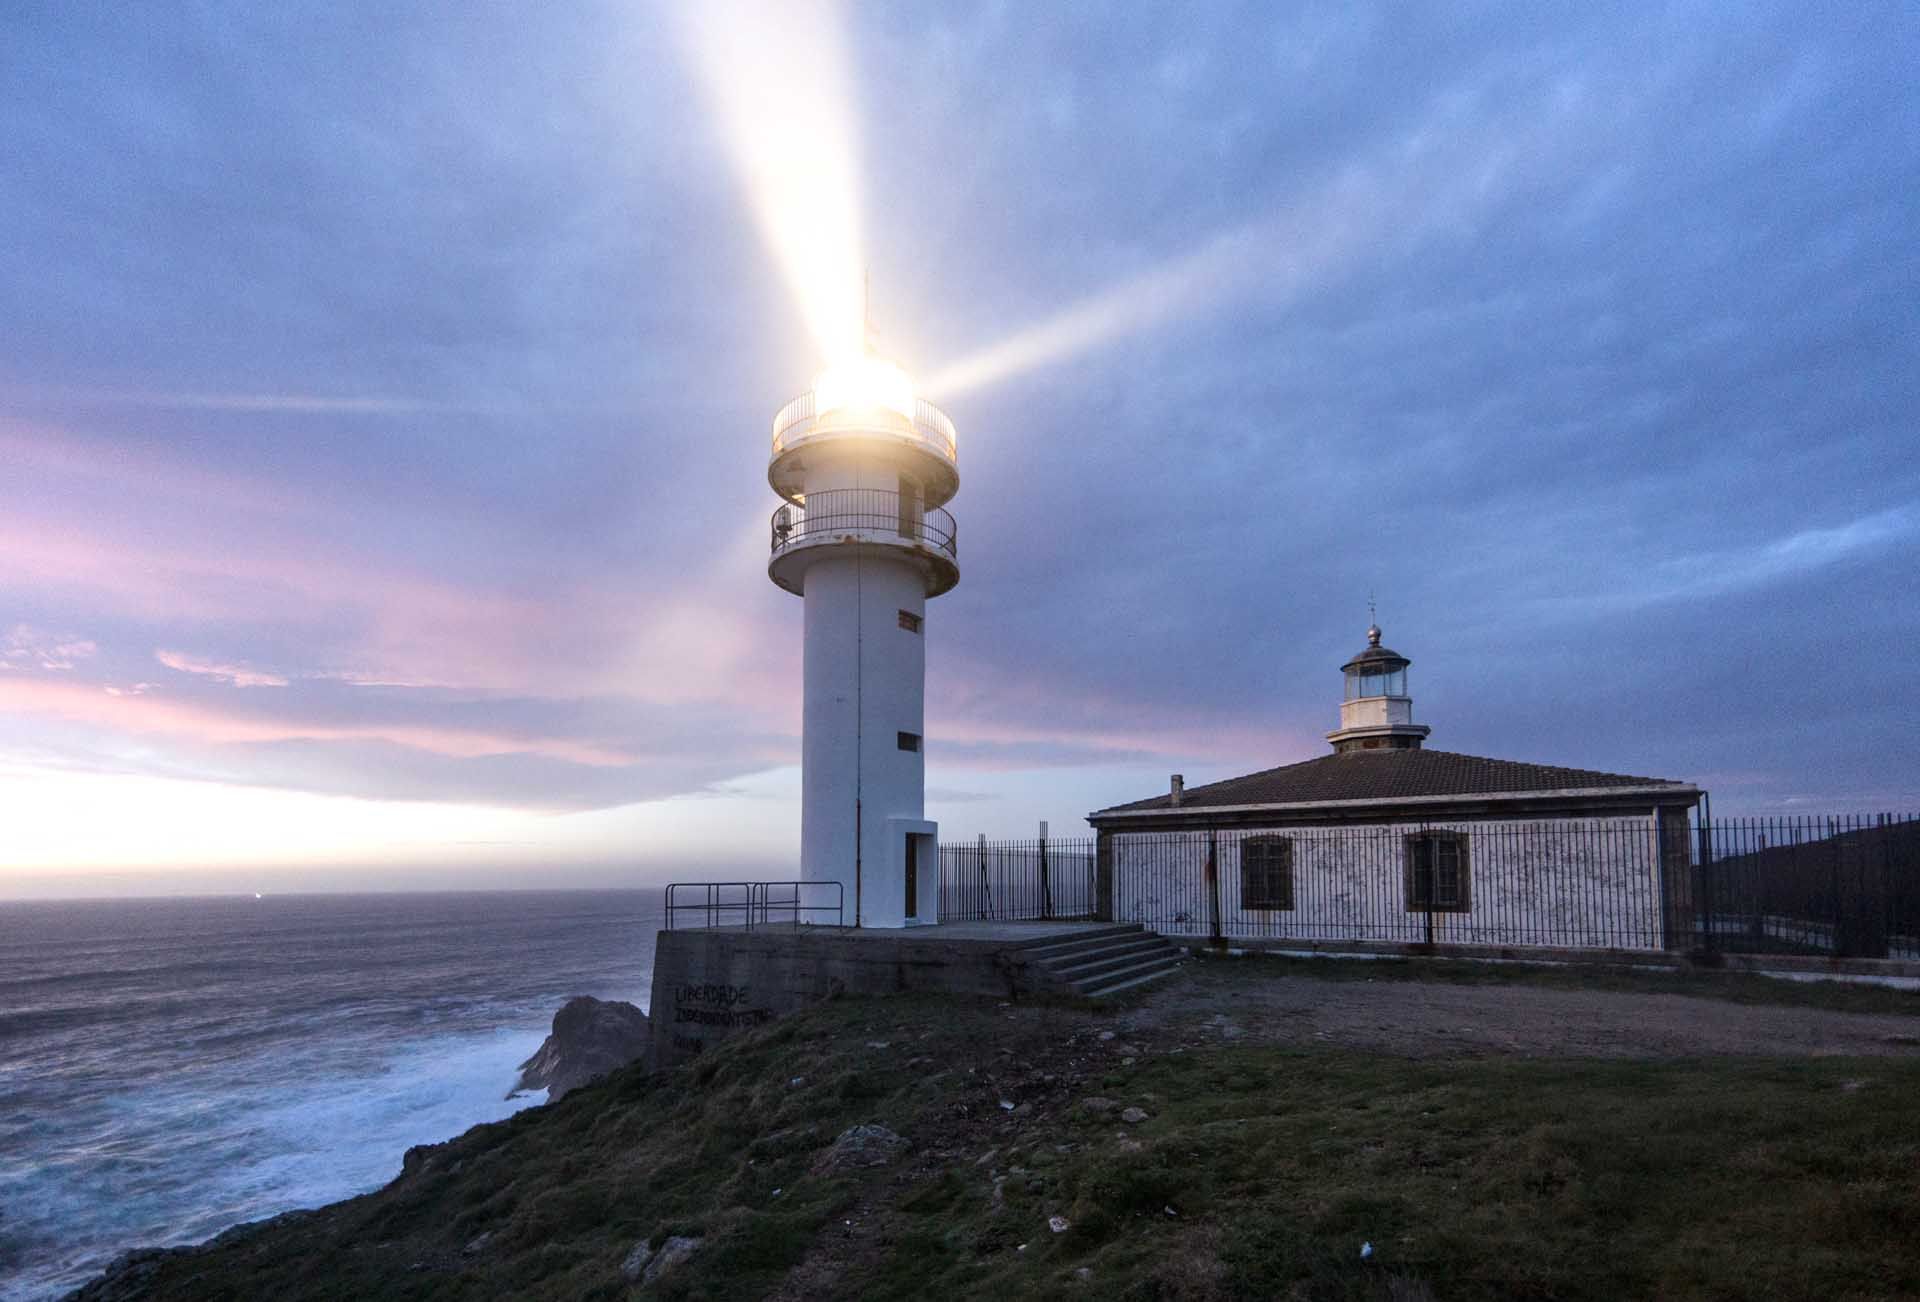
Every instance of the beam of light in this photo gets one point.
(1176, 288)
(779, 81)
(1446, 174)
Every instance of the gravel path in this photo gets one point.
(1422, 1019)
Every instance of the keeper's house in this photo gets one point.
(1386, 841)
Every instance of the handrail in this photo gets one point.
(755, 903)
(928, 426)
(862, 513)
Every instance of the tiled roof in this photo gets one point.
(1390, 775)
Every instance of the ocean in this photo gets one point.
(169, 1068)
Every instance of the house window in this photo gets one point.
(909, 741)
(1437, 872)
(909, 621)
(1266, 873)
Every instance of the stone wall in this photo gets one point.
(708, 984)
(1579, 883)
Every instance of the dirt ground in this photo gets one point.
(1422, 1019)
(1215, 1002)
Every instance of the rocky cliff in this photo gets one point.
(590, 1038)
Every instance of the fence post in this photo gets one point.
(1213, 888)
(1706, 877)
(1046, 885)
(1838, 899)
(1430, 852)
(1886, 884)
(1101, 881)
(986, 887)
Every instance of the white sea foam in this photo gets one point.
(253, 1149)
(198, 1081)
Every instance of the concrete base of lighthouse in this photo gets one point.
(713, 982)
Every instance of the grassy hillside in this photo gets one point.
(1259, 1171)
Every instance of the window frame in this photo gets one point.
(1411, 875)
(1265, 871)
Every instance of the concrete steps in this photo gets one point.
(1101, 962)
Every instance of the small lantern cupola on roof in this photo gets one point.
(1377, 713)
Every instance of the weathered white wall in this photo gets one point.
(1594, 882)
(864, 684)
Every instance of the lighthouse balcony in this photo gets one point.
(879, 518)
(913, 434)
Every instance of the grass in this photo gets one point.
(1698, 983)
(1258, 1173)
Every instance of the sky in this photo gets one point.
(385, 394)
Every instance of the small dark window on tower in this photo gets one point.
(909, 741)
(1266, 873)
(1438, 873)
(910, 621)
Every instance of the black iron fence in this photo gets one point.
(1844, 886)
(1841, 887)
(1052, 878)
(755, 904)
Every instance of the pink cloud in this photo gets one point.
(148, 714)
(27, 647)
(183, 545)
(236, 675)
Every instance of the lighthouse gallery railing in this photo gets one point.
(864, 513)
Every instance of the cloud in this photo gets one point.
(306, 404)
(1727, 571)
(233, 675)
(467, 730)
(27, 647)
(957, 796)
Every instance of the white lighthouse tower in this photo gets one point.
(865, 467)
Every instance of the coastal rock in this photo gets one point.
(674, 1251)
(861, 1146)
(591, 1037)
(126, 1278)
(635, 1266)
(420, 1157)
